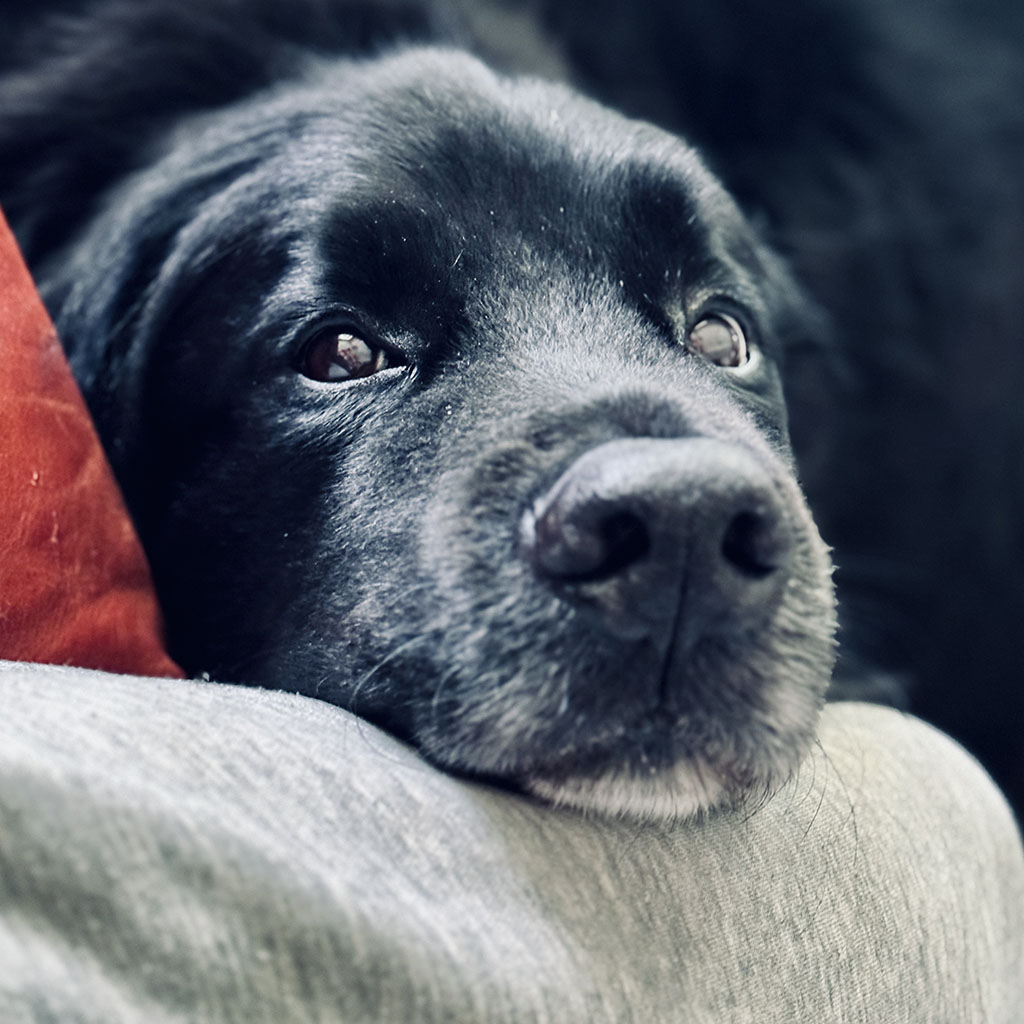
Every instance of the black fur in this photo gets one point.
(201, 187)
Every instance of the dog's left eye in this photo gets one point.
(720, 339)
(333, 355)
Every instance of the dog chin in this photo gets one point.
(684, 790)
(643, 785)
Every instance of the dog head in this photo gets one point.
(455, 399)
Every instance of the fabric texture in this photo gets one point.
(74, 584)
(189, 852)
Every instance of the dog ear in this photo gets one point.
(95, 88)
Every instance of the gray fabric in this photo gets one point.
(190, 852)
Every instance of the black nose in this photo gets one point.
(689, 535)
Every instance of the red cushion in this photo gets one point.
(74, 584)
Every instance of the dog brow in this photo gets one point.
(385, 251)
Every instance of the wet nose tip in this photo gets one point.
(631, 523)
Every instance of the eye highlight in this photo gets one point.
(720, 339)
(334, 355)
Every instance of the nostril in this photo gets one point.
(625, 540)
(583, 543)
(754, 544)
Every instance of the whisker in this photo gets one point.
(397, 652)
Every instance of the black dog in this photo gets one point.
(449, 397)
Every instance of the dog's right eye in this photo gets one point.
(334, 355)
(720, 339)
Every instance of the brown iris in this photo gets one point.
(334, 355)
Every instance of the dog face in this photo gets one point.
(454, 399)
